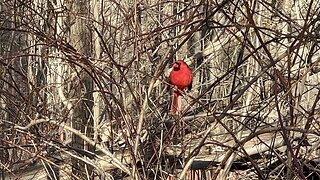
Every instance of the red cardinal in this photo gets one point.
(180, 77)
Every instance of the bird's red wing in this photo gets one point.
(190, 86)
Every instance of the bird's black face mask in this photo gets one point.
(176, 66)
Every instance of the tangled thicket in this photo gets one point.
(84, 89)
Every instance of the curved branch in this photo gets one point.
(112, 160)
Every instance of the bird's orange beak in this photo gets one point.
(174, 65)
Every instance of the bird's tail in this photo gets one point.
(176, 103)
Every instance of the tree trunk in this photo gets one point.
(82, 119)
